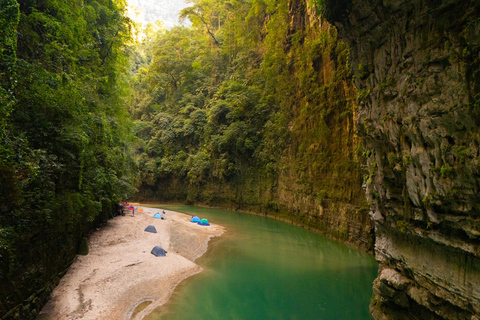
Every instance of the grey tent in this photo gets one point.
(158, 252)
(151, 229)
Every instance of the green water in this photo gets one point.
(262, 268)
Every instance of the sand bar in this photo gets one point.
(119, 273)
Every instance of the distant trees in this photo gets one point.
(242, 91)
(200, 104)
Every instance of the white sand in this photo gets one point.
(119, 272)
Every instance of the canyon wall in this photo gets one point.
(306, 163)
(416, 69)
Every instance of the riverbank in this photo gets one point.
(120, 273)
(281, 216)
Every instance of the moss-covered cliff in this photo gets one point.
(416, 66)
(270, 129)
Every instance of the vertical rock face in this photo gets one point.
(416, 65)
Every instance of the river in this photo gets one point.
(262, 268)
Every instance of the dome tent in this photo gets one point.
(157, 215)
(204, 222)
(195, 219)
(151, 229)
(158, 252)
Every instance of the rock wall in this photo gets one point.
(416, 65)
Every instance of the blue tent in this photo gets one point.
(158, 252)
(151, 229)
(204, 222)
(157, 215)
(195, 219)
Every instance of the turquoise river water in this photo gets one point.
(262, 268)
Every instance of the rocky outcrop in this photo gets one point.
(416, 65)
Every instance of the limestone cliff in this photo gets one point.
(416, 65)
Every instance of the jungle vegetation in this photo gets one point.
(65, 136)
(250, 103)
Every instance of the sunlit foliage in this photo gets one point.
(240, 101)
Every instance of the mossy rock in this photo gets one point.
(83, 249)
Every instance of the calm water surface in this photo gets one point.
(262, 268)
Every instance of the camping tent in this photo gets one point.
(204, 222)
(157, 215)
(151, 229)
(158, 252)
(139, 209)
(195, 219)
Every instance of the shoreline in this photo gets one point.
(120, 273)
(274, 217)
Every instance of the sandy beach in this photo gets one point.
(119, 273)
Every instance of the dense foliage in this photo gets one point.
(65, 135)
(252, 107)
